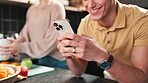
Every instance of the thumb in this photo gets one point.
(86, 36)
(10, 39)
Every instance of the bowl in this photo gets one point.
(11, 78)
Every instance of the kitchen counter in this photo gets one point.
(64, 76)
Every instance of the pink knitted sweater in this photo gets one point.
(38, 36)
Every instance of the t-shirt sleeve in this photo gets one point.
(142, 33)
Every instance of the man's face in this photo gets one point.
(98, 9)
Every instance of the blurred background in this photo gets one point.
(13, 12)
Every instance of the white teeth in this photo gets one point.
(93, 11)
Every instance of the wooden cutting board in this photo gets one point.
(38, 69)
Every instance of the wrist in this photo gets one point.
(102, 56)
(106, 63)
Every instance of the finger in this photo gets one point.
(64, 36)
(66, 49)
(70, 37)
(73, 50)
(69, 43)
(67, 55)
(5, 46)
(11, 39)
(4, 53)
(61, 45)
(5, 50)
(58, 46)
(75, 43)
(67, 52)
(76, 55)
(80, 53)
(86, 36)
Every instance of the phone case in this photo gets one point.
(63, 26)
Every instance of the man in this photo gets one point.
(116, 37)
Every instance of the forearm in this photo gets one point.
(41, 47)
(77, 66)
(37, 49)
(126, 74)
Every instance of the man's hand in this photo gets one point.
(81, 46)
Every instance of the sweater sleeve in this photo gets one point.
(24, 33)
(40, 48)
(58, 12)
(47, 46)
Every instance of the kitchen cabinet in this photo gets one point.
(12, 17)
(21, 1)
(17, 1)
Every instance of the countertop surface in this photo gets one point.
(64, 76)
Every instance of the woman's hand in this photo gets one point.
(81, 46)
(9, 49)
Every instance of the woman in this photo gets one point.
(38, 37)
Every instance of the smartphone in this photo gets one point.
(63, 26)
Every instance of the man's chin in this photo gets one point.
(95, 18)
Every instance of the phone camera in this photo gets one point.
(60, 26)
(55, 24)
